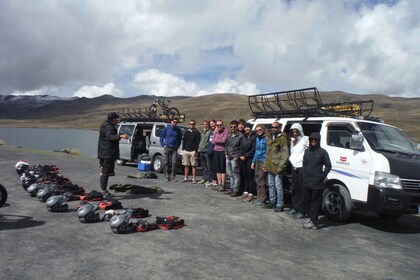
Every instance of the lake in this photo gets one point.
(52, 139)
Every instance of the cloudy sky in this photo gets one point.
(196, 47)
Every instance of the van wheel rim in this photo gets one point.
(333, 203)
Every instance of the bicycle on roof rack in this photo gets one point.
(168, 113)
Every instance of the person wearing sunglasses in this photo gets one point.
(275, 165)
(233, 154)
(190, 144)
(220, 136)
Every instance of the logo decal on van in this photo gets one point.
(343, 161)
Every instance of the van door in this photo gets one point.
(126, 144)
(352, 167)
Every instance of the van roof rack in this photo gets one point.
(305, 102)
(143, 115)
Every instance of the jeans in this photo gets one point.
(232, 169)
(275, 188)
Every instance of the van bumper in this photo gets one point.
(382, 200)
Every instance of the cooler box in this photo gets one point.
(144, 165)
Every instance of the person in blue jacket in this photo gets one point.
(170, 140)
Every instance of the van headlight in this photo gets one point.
(387, 180)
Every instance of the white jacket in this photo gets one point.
(297, 151)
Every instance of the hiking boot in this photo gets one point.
(220, 188)
(291, 212)
(243, 196)
(234, 194)
(203, 181)
(174, 180)
(268, 206)
(298, 215)
(194, 181)
(310, 225)
(258, 203)
(278, 209)
(228, 191)
(307, 220)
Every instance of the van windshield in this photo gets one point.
(386, 138)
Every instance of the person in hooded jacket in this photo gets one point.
(316, 166)
(108, 149)
(298, 144)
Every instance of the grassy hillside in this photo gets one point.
(89, 113)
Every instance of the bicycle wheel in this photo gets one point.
(172, 113)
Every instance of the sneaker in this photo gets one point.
(310, 225)
(203, 181)
(185, 180)
(249, 198)
(106, 194)
(278, 209)
(298, 215)
(194, 181)
(268, 206)
(167, 179)
(228, 191)
(243, 196)
(221, 188)
(174, 180)
(258, 203)
(234, 194)
(291, 212)
(307, 220)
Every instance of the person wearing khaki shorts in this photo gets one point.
(190, 145)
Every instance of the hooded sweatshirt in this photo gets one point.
(297, 149)
(316, 165)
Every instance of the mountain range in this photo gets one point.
(88, 113)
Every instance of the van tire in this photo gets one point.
(157, 164)
(336, 203)
(3, 195)
(121, 162)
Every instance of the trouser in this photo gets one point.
(247, 174)
(312, 203)
(260, 181)
(107, 166)
(297, 189)
(210, 165)
(275, 188)
(243, 176)
(204, 159)
(232, 169)
(169, 154)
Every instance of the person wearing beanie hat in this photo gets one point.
(316, 166)
(108, 149)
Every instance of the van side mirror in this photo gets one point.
(418, 147)
(356, 142)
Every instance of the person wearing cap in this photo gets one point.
(170, 140)
(108, 149)
(316, 166)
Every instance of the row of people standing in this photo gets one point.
(255, 162)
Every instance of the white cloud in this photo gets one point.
(360, 46)
(158, 83)
(95, 91)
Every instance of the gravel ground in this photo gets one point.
(225, 238)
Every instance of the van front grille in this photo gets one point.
(410, 185)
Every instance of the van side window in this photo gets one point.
(159, 129)
(127, 129)
(308, 127)
(339, 136)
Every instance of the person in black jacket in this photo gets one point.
(316, 166)
(190, 144)
(247, 173)
(108, 149)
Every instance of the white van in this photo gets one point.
(375, 166)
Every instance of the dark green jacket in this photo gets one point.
(277, 154)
